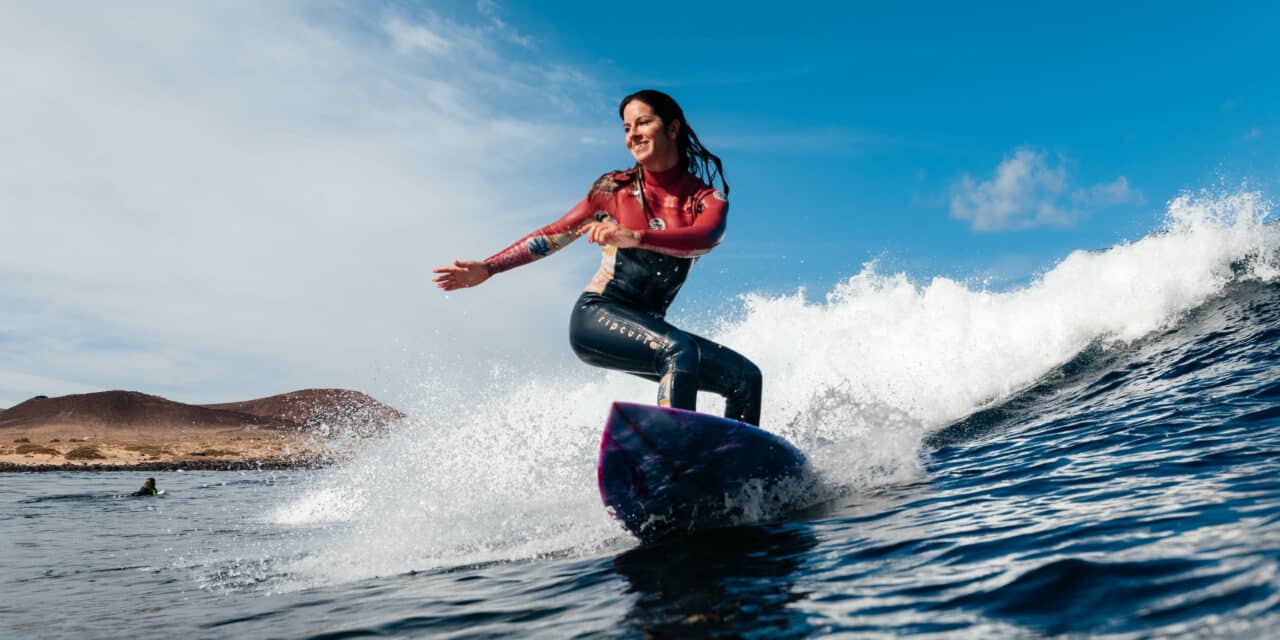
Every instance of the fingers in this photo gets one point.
(459, 267)
(463, 274)
(449, 284)
(449, 278)
(599, 232)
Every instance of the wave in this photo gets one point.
(867, 379)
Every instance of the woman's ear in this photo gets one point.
(673, 129)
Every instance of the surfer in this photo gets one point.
(148, 488)
(652, 221)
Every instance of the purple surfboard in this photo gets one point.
(667, 471)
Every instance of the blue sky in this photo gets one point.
(847, 128)
(214, 201)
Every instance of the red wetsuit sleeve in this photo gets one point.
(544, 241)
(696, 239)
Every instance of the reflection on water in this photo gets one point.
(735, 582)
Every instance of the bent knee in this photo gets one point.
(750, 378)
(679, 353)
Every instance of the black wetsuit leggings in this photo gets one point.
(607, 334)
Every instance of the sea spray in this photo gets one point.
(505, 472)
(508, 476)
(936, 352)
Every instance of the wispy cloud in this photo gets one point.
(407, 37)
(1027, 190)
(492, 10)
(1106, 194)
(219, 200)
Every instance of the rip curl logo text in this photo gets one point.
(631, 332)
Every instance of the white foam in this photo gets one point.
(932, 353)
(855, 379)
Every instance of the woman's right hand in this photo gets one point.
(463, 274)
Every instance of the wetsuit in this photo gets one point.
(619, 321)
(145, 491)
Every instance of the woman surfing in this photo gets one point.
(652, 221)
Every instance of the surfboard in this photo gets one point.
(664, 472)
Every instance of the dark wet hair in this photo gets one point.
(693, 156)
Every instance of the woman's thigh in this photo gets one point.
(610, 335)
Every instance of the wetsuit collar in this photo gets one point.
(665, 179)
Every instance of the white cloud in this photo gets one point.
(491, 10)
(224, 200)
(1028, 191)
(408, 37)
(1107, 194)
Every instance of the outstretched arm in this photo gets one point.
(536, 245)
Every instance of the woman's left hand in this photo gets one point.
(603, 233)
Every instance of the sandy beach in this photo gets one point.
(70, 447)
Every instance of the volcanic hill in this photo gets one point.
(128, 427)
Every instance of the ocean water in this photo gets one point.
(1096, 453)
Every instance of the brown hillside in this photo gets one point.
(311, 408)
(124, 409)
(131, 430)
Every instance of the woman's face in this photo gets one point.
(651, 141)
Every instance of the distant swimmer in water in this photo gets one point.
(148, 488)
(652, 221)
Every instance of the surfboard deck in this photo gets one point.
(664, 472)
